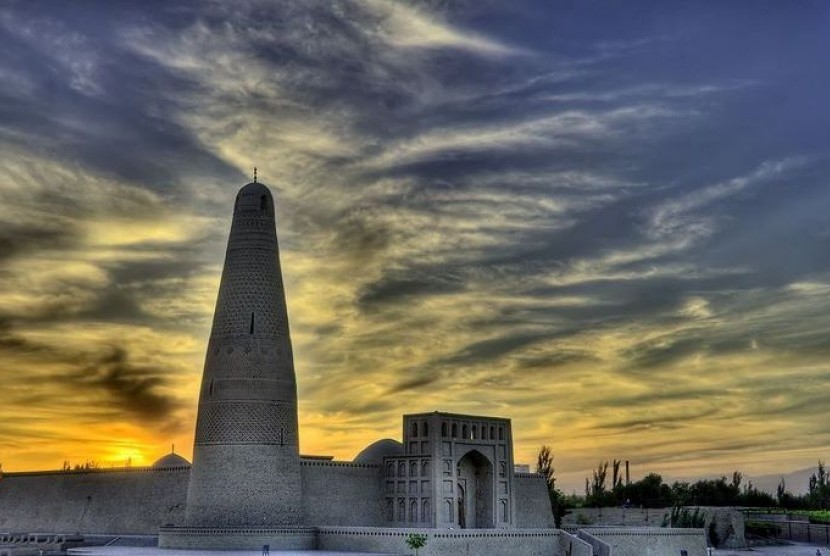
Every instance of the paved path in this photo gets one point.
(137, 551)
(795, 549)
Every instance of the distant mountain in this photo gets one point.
(796, 481)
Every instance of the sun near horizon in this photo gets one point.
(608, 227)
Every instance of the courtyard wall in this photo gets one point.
(123, 501)
(532, 504)
(341, 493)
(440, 542)
(647, 541)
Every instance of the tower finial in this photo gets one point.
(254, 174)
(172, 448)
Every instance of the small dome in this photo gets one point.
(169, 461)
(375, 452)
(254, 197)
(254, 188)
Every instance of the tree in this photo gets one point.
(616, 482)
(596, 494)
(616, 479)
(651, 492)
(416, 542)
(544, 467)
(819, 487)
(780, 491)
(598, 477)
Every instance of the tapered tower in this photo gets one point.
(246, 463)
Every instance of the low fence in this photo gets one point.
(628, 517)
(799, 531)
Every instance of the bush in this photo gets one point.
(582, 519)
(764, 529)
(416, 542)
(684, 519)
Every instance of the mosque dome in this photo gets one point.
(254, 197)
(254, 188)
(375, 452)
(169, 461)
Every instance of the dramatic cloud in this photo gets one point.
(610, 228)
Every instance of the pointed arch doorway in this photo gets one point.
(476, 491)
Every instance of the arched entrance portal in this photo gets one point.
(475, 492)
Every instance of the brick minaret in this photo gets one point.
(246, 463)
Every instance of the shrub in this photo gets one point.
(683, 518)
(416, 542)
(763, 529)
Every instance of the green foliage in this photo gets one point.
(416, 541)
(544, 466)
(819, 488)
(651, 492)
(558, 501)
(814, 516)
(596, 494)
(764, 529)
(582, 519)
(684, 518)
(818, 492)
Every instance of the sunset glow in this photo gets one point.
(608, 227)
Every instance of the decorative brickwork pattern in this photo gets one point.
(250, 285)
(247, 423)
(249, 358)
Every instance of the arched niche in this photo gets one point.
(476, 492)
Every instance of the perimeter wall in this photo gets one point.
(136, 501)
(125, 501)
(341, 494)
(440, 542)
(648, 541)
(532, 504)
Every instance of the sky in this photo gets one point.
(607, 221)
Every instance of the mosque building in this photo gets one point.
(450, 477)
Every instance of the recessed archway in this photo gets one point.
(476, 491)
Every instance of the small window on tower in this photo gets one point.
(252, 324)
(210, 389)
(263, 202)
